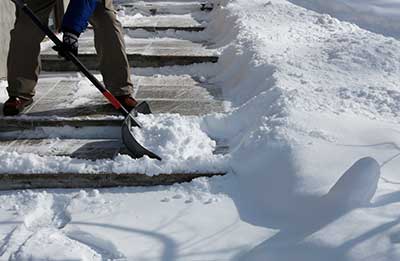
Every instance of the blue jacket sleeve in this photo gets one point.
(77, 16)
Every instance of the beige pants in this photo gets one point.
(23, 61)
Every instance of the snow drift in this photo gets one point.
(313, 129)
(290, 121)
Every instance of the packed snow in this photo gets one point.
(313, 161)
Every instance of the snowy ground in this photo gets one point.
(185, 222)
(314, 100)
(380, 16)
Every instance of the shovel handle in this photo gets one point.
(112, 100)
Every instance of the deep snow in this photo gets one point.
(326, 110)
(313, 134)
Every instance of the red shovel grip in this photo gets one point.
(111, 98)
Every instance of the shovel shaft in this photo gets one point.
(117, 105)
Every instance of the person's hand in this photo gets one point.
(70, 44)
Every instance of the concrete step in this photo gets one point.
(89, 180)
(141, 53)
(15, 124)
(165, 7)
(89, 149)
(57, 104)
(162, 23)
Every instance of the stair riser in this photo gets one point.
(81, 180)
(52, 63)
(157, 9)
(25, 125)
(155, 29)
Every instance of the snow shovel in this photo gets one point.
(136, 150)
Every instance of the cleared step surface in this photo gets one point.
(165, 7)
(10, 124)
(75, 148)
(103, 180)
(56, 103)
(140, 52)
(162, 23)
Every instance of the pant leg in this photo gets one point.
(110, 47)
(23, 63)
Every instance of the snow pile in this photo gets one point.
(174, 137)
(297, 79)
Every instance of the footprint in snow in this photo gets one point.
(395, 238)
(94, 193)
(210, 201)
(189, 200)
(177, 196)
(165, 200)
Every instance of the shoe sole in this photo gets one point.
(15, 112)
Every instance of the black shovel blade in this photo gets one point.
(134, 147)
(143, 108)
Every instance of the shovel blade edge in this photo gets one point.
(136, 150)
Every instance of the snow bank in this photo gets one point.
(296, 79)
(315, 116)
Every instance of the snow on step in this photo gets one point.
(34, 159)
(166, 7)
(161, 23)
(83, 148)
(155, 52)
(70, 102)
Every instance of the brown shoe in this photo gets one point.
(15, 105)
(127, 101)
(132, 105)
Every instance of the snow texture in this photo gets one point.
(313, 162)
(380, 16)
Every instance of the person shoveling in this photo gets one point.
(23, 58)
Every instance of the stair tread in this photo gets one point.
(56, 102)
(162, 22)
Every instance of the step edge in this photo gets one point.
(100, 180)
